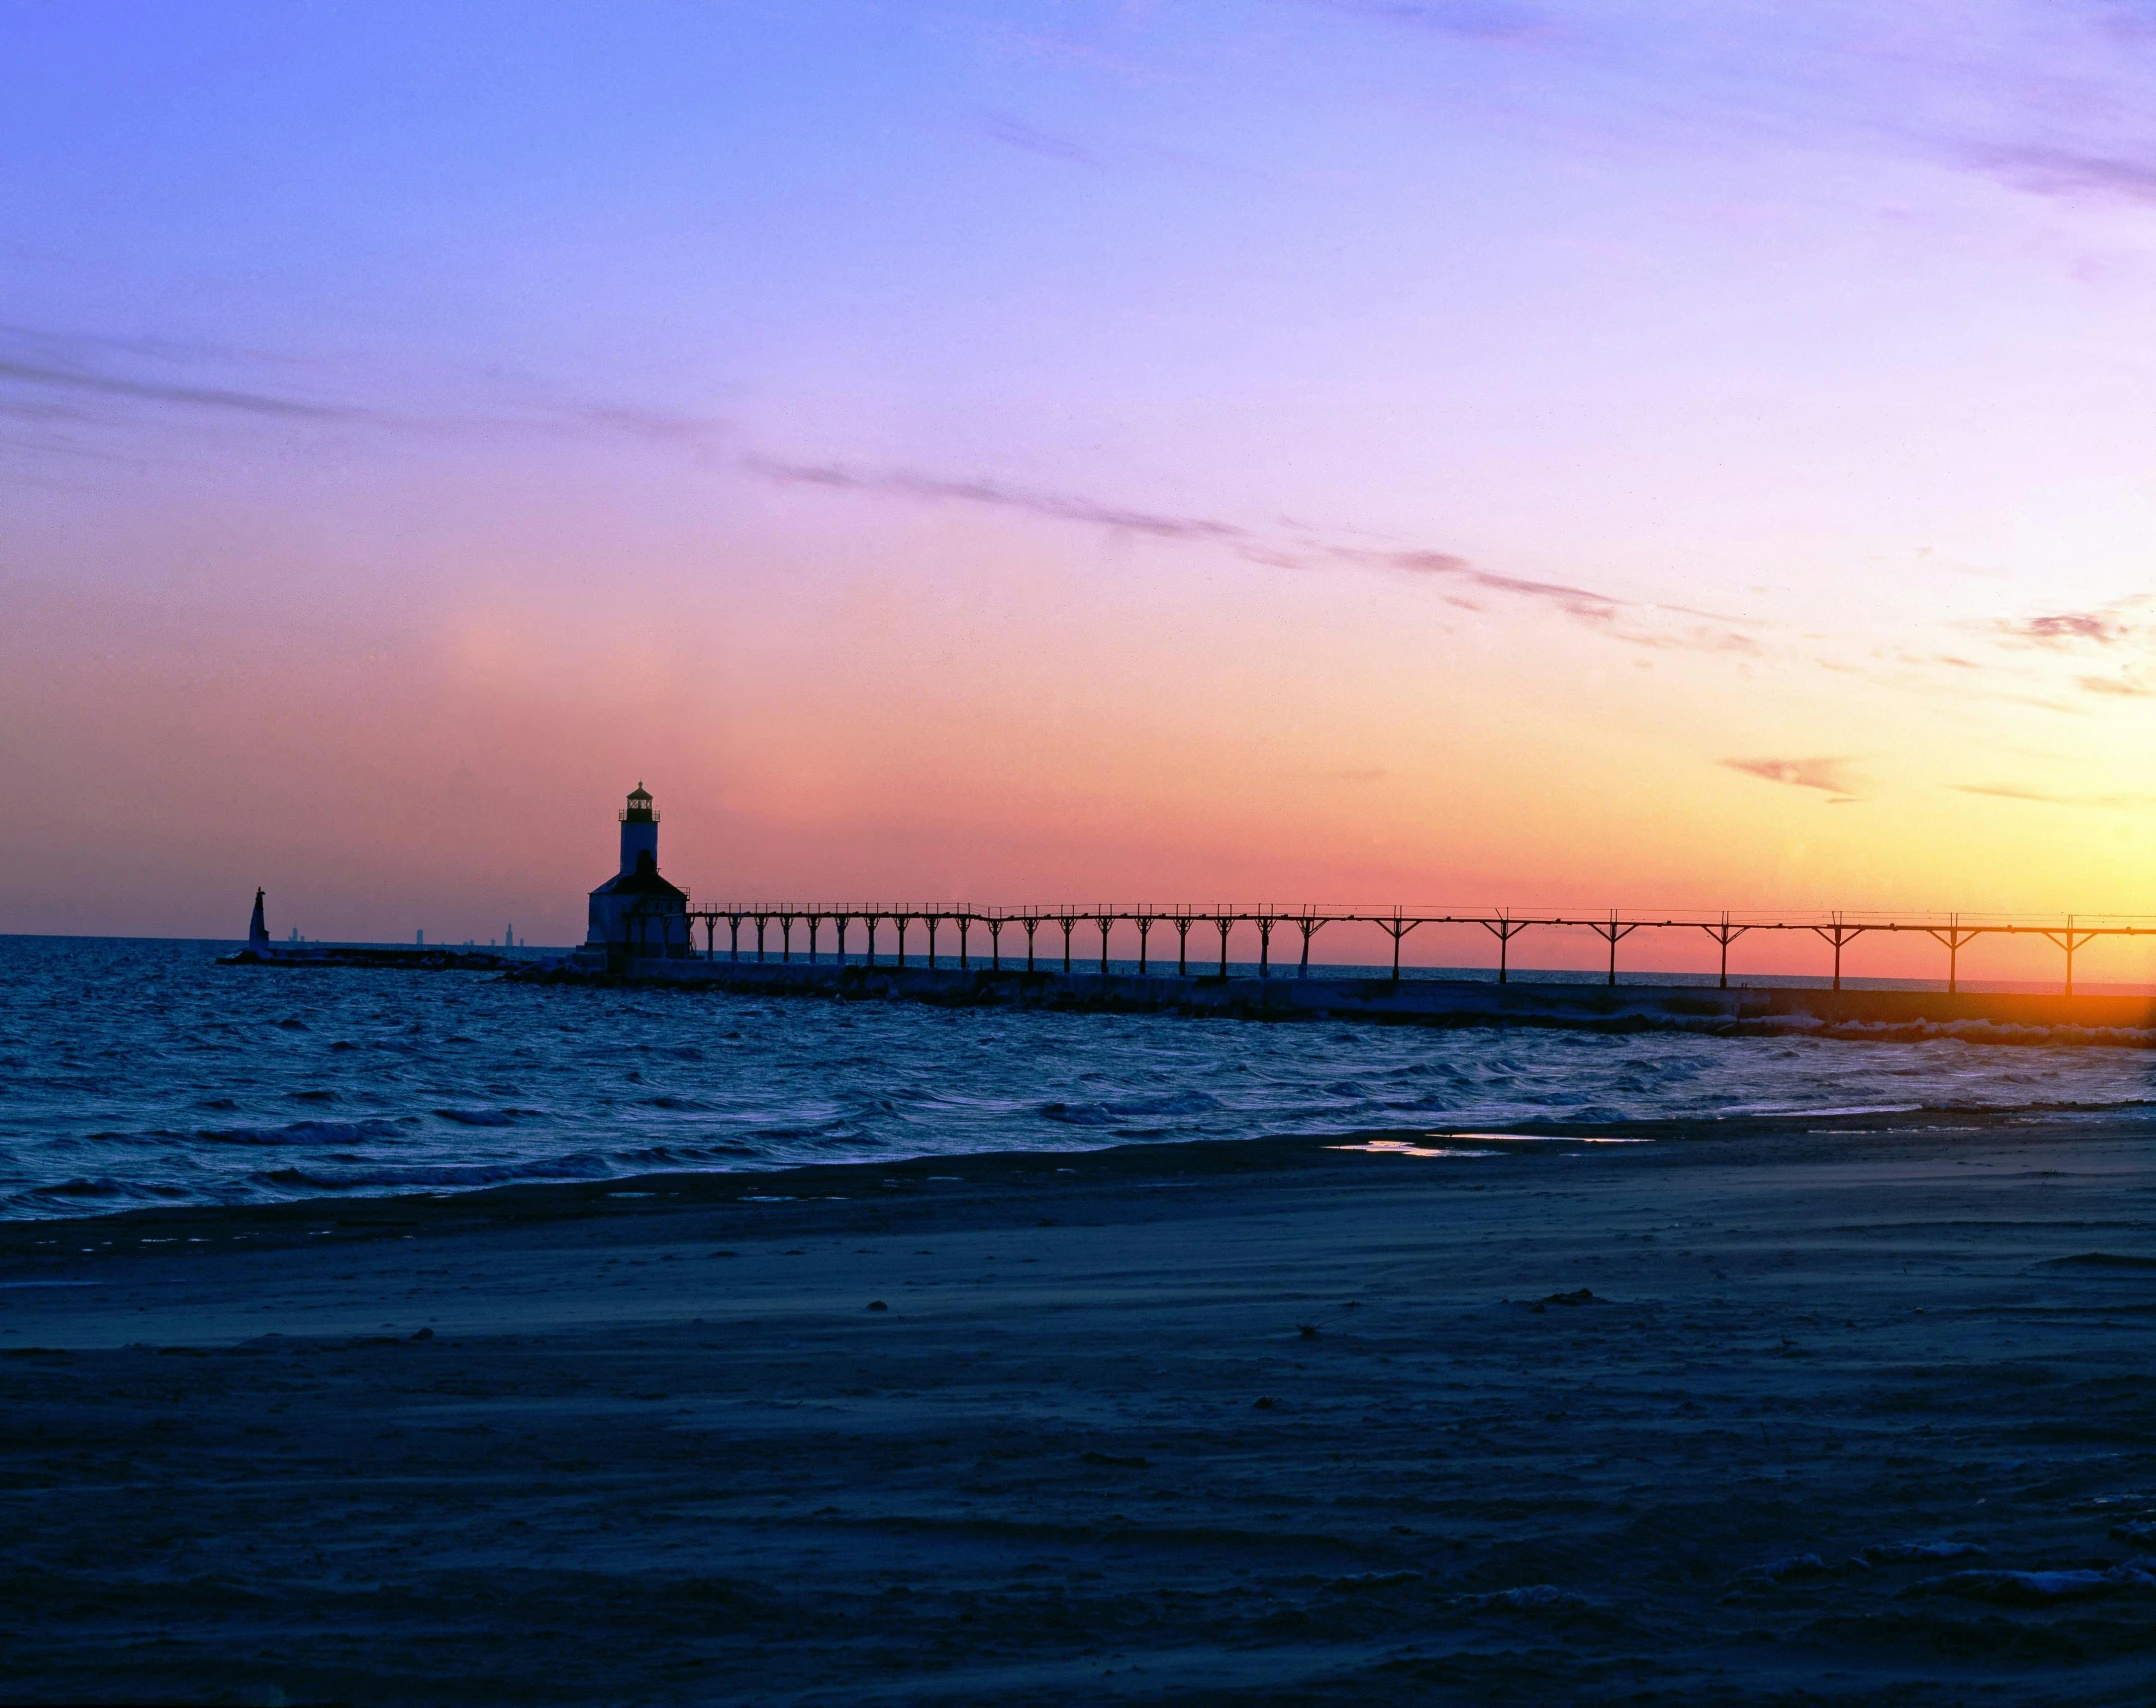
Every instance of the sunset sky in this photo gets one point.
(1640, 455)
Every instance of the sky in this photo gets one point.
(1467, 454)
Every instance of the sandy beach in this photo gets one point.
(1800, 1416)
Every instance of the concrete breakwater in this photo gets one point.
(438, 960)
(1993, 1017)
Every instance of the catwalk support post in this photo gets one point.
(1725, 934)
(2069, 940)
(1311, 922)
(1613, 934)
(1397, 928)
(1839, 934)
(1952, 936)
(1504, 929)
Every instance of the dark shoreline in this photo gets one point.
(1856, 1416)
(1137, 1164)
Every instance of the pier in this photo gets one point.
(1075, 957)
(1988, 1016)
(643, 928)
(641, 925)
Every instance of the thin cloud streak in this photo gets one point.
(97, 384)
(651, 426)
(80, 378)
(1958, 90)
(74, 387)
(201, 397)
(2040, 797)
(2069, 173)
(2103, 628)
(1600, 611)
(2007, 792)
(1476, 20)
(61, 379)
(993, 494)
(1583, 603)
(1016, 133)
(1830, 776)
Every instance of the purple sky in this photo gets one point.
(1637, 454)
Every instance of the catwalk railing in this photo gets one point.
(1953, 931)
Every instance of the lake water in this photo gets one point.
(137, 1072)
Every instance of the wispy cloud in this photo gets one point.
(2070, 662)
(2102, 628)
(699, 433)
(1016, 133)
(78, 394)
(2119, 687)
(2069, 172)
(997, 495)
(74, 388)
(2007, 792)
(1580, 602)
(1477, 20)
(1829, 776)
(2045, 96)
(42, 378)
(1636, 622)
(2044, 797)
(86, 378)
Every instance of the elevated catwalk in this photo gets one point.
(759, 930)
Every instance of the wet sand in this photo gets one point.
(1245, 1423)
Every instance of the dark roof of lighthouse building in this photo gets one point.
(644, 881)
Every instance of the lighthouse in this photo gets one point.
(636, 913)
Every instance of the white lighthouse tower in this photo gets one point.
(636, 913)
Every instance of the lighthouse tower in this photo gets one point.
(636, 913)
(639, 831)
